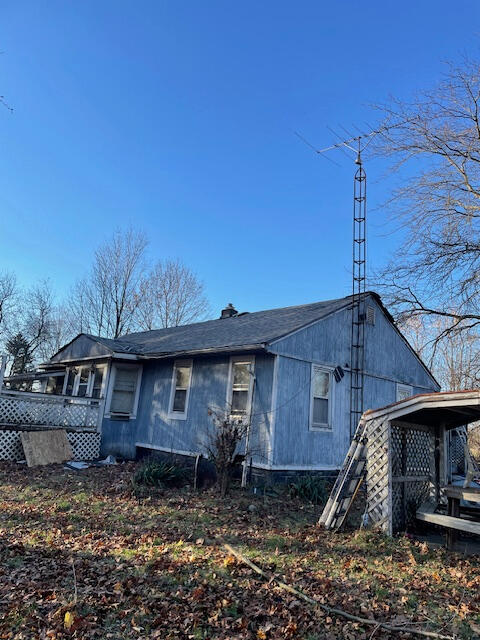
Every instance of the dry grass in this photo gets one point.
(151, 567)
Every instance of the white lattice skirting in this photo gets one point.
(85, 446)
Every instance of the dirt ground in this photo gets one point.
(82, 556)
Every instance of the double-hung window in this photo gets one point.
(181, 380)
(320, 411)
(241, 386)
(124, 393)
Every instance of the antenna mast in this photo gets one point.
(359, 265)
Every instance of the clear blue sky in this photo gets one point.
(178, 117)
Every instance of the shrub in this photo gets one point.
(221, 445)
(310, 488)
(158, 473)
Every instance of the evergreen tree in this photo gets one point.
(18, 347)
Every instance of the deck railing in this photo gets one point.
(25, 409)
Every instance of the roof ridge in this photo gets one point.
(248, 314)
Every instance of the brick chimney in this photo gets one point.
(229, 311)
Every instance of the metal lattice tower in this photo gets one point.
(359, 265)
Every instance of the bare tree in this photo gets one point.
(36, 318)
(170, 295)
(454, 359)
(58, 334)
(436, 144)
(8, 299)
(31, 327)
(105, 302)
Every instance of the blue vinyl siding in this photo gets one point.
(388, 361)
(155, 428)
(281, 437)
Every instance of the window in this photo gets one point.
(124, 392)
(320, 398)
(85, 381)
(98, 380)
(182, 375)
(82, 381)
(241, 386)
(69, 381)
(55, 384)
(404, 391)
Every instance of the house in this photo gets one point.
(286, 369)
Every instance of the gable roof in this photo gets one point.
(247, 330)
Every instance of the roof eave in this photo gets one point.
(425, 400)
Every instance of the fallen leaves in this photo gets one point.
(68, 620)
(150, 568)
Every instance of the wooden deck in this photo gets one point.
(457, 518)
(22, 409)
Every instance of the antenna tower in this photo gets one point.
(359, 266)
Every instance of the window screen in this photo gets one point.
(320, 397)
(125, 386)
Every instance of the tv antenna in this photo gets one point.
(357, 145)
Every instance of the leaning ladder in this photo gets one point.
(347, 483)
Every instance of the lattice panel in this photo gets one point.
(415, 494)
(396, 450)
(378, 505)
(11, 446)
(85, 446)
(411, 451)
(457, 453)
(419, 450)
(398, 515)
(18, 409)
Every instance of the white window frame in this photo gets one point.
(111, 386)
(246, 359)
(91, 377)
(328, 370)
(405, 388)
(180, 415)
(76, 382)
(103, 366)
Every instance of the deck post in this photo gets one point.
(3, 366)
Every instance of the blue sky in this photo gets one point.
(178, 117)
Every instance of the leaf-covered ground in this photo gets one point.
(152, 568)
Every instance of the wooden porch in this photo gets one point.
(24, 411)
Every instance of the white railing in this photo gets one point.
(22, 408)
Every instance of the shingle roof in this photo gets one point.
(245, 330)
